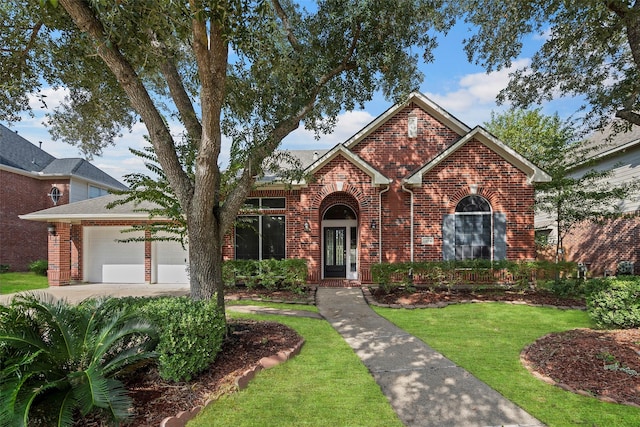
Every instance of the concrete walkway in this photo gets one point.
(424, 387)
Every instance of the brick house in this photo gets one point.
(33, 180)
(414, 184)
(601, 246)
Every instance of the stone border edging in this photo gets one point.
(371, 301)
(241, 382)
(529, 367)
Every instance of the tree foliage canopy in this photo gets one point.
(253, 70)
(579, 190)
(591, 48)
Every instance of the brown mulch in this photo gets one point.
(604, 364)
(155, 399)
(429, 297)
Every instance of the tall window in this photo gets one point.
(260, 237)
(473, 229)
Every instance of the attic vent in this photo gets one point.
(315, 156)
(412, 125)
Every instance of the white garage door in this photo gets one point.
(170, 261)
(109, 261)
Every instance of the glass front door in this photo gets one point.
(335, 252)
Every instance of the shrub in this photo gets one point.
(4, 268)
(567, 287)
(190, 333)
(59, 360)
(290, 274)
(39, 267)
(618, 306)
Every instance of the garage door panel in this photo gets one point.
(171, 261)
(110, 261)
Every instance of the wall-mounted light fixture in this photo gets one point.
(307, 227)
(51, 228)
(374, 224)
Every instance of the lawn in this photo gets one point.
(325, 385)
(486, 339)
(18, 282)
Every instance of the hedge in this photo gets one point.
(289, 274)
(617, 305)
(475, 272)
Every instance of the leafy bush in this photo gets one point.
(58, 360)
(290, 274)
(190, 333)
(39, 267)
(567, 287)
(4, 268)
(618, 306)
(472, 272)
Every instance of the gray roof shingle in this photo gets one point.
(19, 153)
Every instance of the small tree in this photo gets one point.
(576, 192)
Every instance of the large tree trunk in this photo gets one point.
(205, 260)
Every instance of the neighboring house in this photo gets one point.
(33, 180)
(601, 246)
(414, 184)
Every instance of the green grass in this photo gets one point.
(486, 339)
(18, 282)
(325, 385)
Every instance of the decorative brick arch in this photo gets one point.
(491, 196)
(339, 198)
(330, 195)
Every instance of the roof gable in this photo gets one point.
(421, 101)
(533, 173)
(377, 178)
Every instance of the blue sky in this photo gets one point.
(463, 89)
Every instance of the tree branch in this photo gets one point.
(177, 90)
(140, 99)
(287, 25)
(629, 115)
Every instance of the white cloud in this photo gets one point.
(47, 99)
(348, 124)
(475, 95)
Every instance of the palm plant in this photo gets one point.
(60, 360)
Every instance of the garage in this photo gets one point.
(169, 261)
(110, 261)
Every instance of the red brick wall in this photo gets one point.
(602, 246)
(390, 151)
(502, 184)
(22, 242)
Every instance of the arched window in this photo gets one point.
(473, 228)
(474, 231)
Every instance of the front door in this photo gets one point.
(335, 252)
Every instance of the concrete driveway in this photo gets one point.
(77, 293)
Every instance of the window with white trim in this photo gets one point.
(473, 228)
(260, 237)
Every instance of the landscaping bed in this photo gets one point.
(575, 359)
(431, 297)
(248, 342)
(603, 364)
